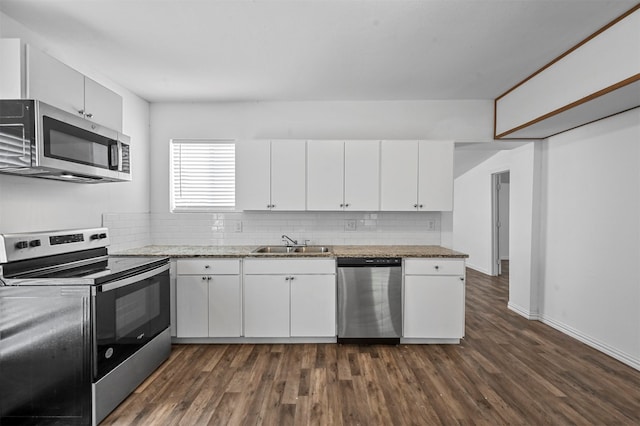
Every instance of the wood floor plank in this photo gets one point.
(507, 370)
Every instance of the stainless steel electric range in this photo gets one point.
(79, 329)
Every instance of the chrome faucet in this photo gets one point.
(288, 241)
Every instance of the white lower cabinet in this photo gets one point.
(289, 298)
(313, 305)
(208, 298)
(434, 298)
(266, 306)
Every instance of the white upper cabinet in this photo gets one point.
(325, 175)
(416, 176)
(28, 73)
(53, 82)
(288, 175)
(270, 175)
(335, 175)
(343, 175)
(435, 176)
(253, 175)
(399, 176)
(362, 175)
(102, 105)
(57, 84)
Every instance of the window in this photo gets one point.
(203, 175)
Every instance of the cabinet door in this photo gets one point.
(325, 170)
(192, 306)
(53, 82)
(433, 307)
(11, 69)
(362, 175)
(399, 175)
(253, 175)
(435, 182)
(102, 105)
(224, 306)
(288, 175)
(313, 306)
(266, 306)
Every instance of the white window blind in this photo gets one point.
(203, 175)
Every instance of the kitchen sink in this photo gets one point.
(312, 249)
(275, 249)
(292, 249)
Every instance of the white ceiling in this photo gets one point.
(315, 50)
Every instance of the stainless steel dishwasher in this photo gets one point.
(369, 300)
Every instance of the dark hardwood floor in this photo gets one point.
(508, 370)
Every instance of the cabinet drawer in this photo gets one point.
(289, 266)
(440, 266)
(208, 266)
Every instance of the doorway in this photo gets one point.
(500, 183)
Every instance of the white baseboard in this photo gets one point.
(578, 335)
(523, 312)
(476, 268)
(590, 341)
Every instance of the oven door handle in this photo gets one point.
(132, 279)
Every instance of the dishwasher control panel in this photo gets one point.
(369, 261)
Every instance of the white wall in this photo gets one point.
(457, 120)
(472, 227)
(467, 120)
(574, 231)
(28, 204)
(590, 272)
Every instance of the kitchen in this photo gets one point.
(138, 213)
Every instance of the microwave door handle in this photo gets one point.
(131, 280)
(115, 156)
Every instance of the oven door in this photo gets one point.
(128, 314)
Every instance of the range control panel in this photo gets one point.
(38, 244)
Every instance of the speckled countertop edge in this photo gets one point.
(335, 251)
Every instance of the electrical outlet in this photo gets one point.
(431, 225)
(238, 226)
(350, 225)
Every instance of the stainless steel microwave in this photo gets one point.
(40, 140)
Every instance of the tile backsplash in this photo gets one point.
(261, 228)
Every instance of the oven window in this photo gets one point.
(127, 318)
(135, 309)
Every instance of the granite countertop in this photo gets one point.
(335, 251)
